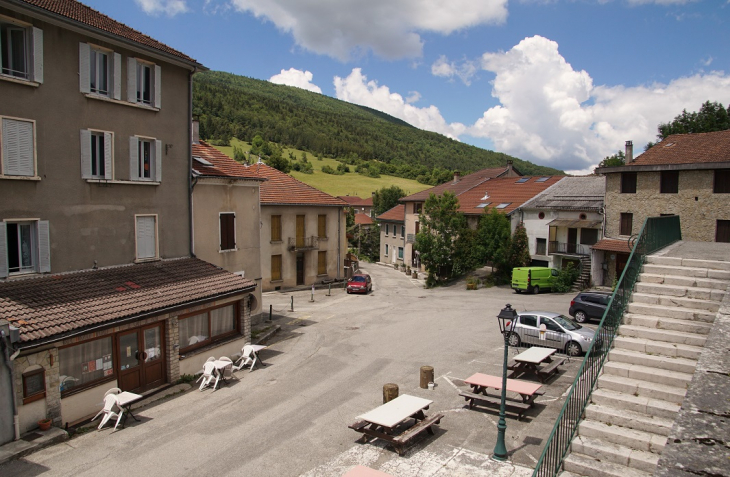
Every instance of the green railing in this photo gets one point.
(656, 233)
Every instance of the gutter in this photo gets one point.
(8, 358)
(339, 241)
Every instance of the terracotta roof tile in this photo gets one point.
(513, 191)
(220, 164)
(612, 245)
(363, 219)
(79, 13)
(687, 149)
(357, 201)
(53, 305)
(464, 184)
(281, 188)
(396, 214)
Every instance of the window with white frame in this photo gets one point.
(146, 233)
(97, 148)
(400, 253)
(100, 71)
(21, 50)
(24, 247)
(387, 230)
(144, 83)
(145, 161)
(17, 137)
(386, 249)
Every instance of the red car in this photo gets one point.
(360, 283)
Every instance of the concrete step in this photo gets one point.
(629, 419)
(642, 388)
(695, 293)
(677, 328)
(686, 271)
(664, 311)
(654, 347)
(675, 301)
(688, 262)
(612, 452)
(682, 365)
(648, 374)
(621, 402)
(680, 281)
(583, 465)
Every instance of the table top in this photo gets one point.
(513, 385)
(126, 397)
(221, 364)
(257, 348)
(397, 410)
(362, 471)
(534, 355)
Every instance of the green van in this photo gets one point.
(533, 279)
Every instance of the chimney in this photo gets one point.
(629, 152)
(457, 176)
(196, 131)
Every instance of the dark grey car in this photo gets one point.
(551, 330)
(589, 304)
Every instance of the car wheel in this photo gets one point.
(517, 290)
(536, 289)
(514, 340)
(348, 292)
(572, 349)
(580, 317)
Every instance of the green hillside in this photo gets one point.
(230, 106)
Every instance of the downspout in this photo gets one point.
(339, 240)
(8, 359)
(191, 184)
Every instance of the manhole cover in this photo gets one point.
(31, 437)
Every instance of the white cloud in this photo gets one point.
(389, 28)
(357, 89)
(660, 2)
(465, 71)
(551, 114)
(298, 78)
(168, 7)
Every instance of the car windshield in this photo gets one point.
(357, 279)
(567, 323)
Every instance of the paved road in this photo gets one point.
(327, 366)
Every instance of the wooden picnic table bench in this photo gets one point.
(481, 382)
(517, 407)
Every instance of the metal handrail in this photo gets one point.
(656, 233)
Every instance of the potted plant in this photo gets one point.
(472, 283)
(45, 424)
(414, 274)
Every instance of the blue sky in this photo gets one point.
(561, 83)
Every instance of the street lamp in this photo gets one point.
(506, 318)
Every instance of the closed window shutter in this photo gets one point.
(3, 251)
(131, 80)
(38, 55)
(322, 263)
(17, 141)
(44, 247)
(108, 155)
(133, 158)
(228, 231)
(85, 154)
(117, 75)
(158, 161)
(84, 67)
(158, 86)
(146, 237)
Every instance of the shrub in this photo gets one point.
(565, 279)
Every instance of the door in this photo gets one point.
(555, 337)
(572, 240)
(300, 232)
(141, 358)
(621, 260)
(300, 267)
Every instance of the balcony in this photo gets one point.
(298, 244)
(410, 238)
(568, 248)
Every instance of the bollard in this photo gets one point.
(426, 376)
(312, 299)
(329, 289)
(271, 311)
(292, 303)
(390, 392)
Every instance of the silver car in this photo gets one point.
(551, 330)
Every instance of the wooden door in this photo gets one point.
(300, 231)
(300, 269)
(621, 260)
(572, 239)
(141, 358)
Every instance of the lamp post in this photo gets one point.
(506, 318)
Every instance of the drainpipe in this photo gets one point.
(190, 160)
(8, 359)
(339, 239)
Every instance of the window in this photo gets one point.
(227, 230)
(201, 329)
(144, 83)
(85, 363)
(386, 249)
(400, 253)
(528, 320)
(541, 247)
(322, 263)
(626, 224)
(417, 207)
(522, 180)
(275, 267)
(387, 229)
(588, 236)
(21, 50)
(722, 181)
(24, 247)
(145, 159)
(402, 230)
(542, 179)
(503, 205)
(96, 154)
(628, 182)
(322, 226)
(100, 71)
(18, 147)
(276, 228)
(669, 182)
(722, 233)
(34, 384)
(146, 232)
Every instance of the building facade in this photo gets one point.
(392, 235)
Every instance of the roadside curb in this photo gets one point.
(31, 442)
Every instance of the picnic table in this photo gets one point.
(391, 421)
(362, 471)
(481, 382)
(532, 361)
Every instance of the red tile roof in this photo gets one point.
(363, 219)
(396, 214)
(503, 190)
(78, 13)
(221, 165)
(464, 184)
(612, 245)
(687, 149)
(50, 307)
(357, 201)
(283, 189)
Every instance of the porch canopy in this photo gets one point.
(576, 224)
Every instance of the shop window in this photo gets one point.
(34, 385)
(207, 327)
(85, 364)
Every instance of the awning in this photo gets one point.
(577, 224)
(612, 245)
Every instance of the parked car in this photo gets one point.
(359, 283)
(560, 332)
(533, 279)
(589, 304)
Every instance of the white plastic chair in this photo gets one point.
(247, 357)
(208, 375)
(228, 370)
(210, 359)
(110, 400)
(113, 391)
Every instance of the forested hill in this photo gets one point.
(235, 106)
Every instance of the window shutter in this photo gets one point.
(17, 142)
(133, 158)
(158, 161)
(85, 154)
(146, 237)
(3, 251)
(37, 55)
(44, 247)
(131, 80)
(117, 76)
(108, 155)
(84, 73)
(158, 86)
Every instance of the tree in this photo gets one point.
(711, 117)
(367, 241)
(519, 250)
(493, 242)
(386, 198)
(618, 159)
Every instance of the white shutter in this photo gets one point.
(37, 55)
(3, 251)
(44, 247)
(108, 155)
(117, 76)
(85, 154)
(158, 86)
(133, 158)
(17, 141)
(158, 161)
(84, 68)
(131, 80)
(146, 237)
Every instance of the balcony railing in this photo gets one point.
(568, 248)
(303, 243)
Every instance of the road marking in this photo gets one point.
(446, 378)
(531, 458)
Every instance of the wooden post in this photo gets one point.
(426, 376)
(390, 392)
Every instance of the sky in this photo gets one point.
(560, 83)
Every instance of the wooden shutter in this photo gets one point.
(227, 231)
(158, 161)
(108, 156)
(17, 142)
(158, 86)
(276, 228)
(134, 158)
(322, 263)
(300, 231)
(626, 224)
(131, 80)
(322, 226)
(146, 243)
(86, 154)
(37, 55)
(117, 76)
(276, 267)
(84, 68)
(44, 247)
(3, 250)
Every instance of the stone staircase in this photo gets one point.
(649, 368)
(584, 279)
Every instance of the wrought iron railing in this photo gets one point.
(570, 248)
(303, 243)
(656, 233)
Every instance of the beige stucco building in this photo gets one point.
(392, 235)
